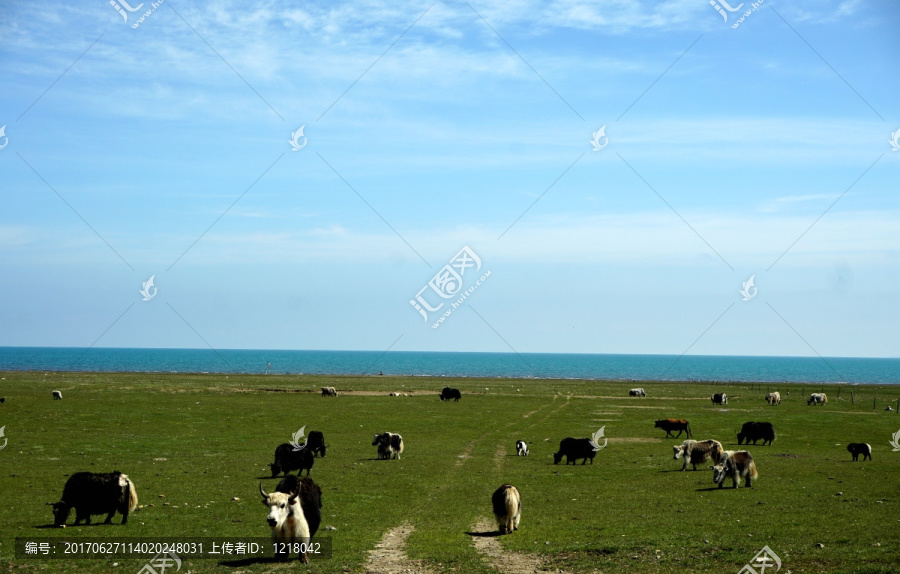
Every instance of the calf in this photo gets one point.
(637, 393)
(310, 498)
(390, 445)
(90, 493)
(507, 503)
(720, 399)
(288, 459)
(860, 448)
(290, 529)
(521, 448)
(670, 425)
(698, 452)
(773, 398)
(756, 431)
(448, 394)
(817, 399)
(315, 442)
(735, 465)
(573, 449)
(57, 396)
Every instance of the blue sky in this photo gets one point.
(163, 149)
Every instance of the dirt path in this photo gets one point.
(502, 560)
(389, 555)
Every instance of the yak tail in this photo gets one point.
(131, 497)
(824, 398)
(688, 427)
(753, 474)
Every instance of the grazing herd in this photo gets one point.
(295, 507)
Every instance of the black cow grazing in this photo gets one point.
(310, 498)
(90, 493)
(2, 400)
(316, 443)
(756, 431)
(288, 459)
(670, 425)
(573, 449)
(860, 448)
(447, 393)
(720, 399)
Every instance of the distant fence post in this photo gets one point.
(802, 391)
(851, 398)
(839, 392)
(875, 400)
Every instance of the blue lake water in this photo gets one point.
(526, 365)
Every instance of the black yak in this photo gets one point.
(756, 431)
(573, 449)
(860, 448)
(288, 459)
(90, 493)
(315, 442)
(447, 394)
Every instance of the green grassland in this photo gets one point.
(633, 510)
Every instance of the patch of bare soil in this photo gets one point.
(466, 453)
(504, 561)
(389, 555)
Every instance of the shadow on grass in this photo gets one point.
(489, 534)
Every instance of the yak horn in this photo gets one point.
(263, 492)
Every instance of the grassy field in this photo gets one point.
(631, 511)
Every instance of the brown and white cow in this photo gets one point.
(735, 465)
(698, 452)
(774, 398)
(329, 392)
